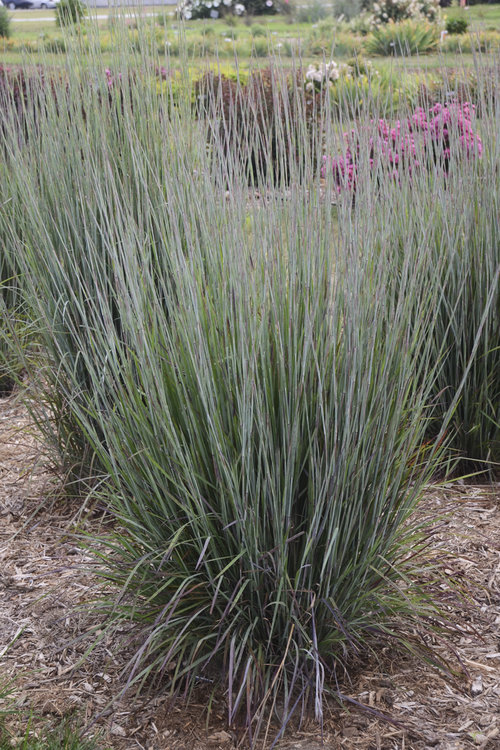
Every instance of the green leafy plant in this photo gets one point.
(405, 38)
(260, 47)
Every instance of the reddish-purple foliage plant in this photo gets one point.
(435, 136)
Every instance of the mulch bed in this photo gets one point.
(46, 577)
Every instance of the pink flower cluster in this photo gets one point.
(446, 123)
(427, 137)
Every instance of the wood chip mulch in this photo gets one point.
(45, 578)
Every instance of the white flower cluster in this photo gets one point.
(319, 75)
(401, 10)
(194, 9)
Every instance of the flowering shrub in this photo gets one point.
(385, 11)
(428, 137)
(195, 9)
(326, 74)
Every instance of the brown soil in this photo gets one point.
(45, 577)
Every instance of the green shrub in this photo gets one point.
(289, 48)
(258, 30)
(358, 96)
(405, 38)
(457, 24)
(69, 12)
(5, 30)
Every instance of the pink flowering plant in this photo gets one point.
(436, 136)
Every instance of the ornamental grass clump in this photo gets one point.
(412, 37)
(59, 238)
(264, 451)
(440, 146)
(246, 380)
(468, 315)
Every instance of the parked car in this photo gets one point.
(43, 4)
(38, 4)
(14, 4)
